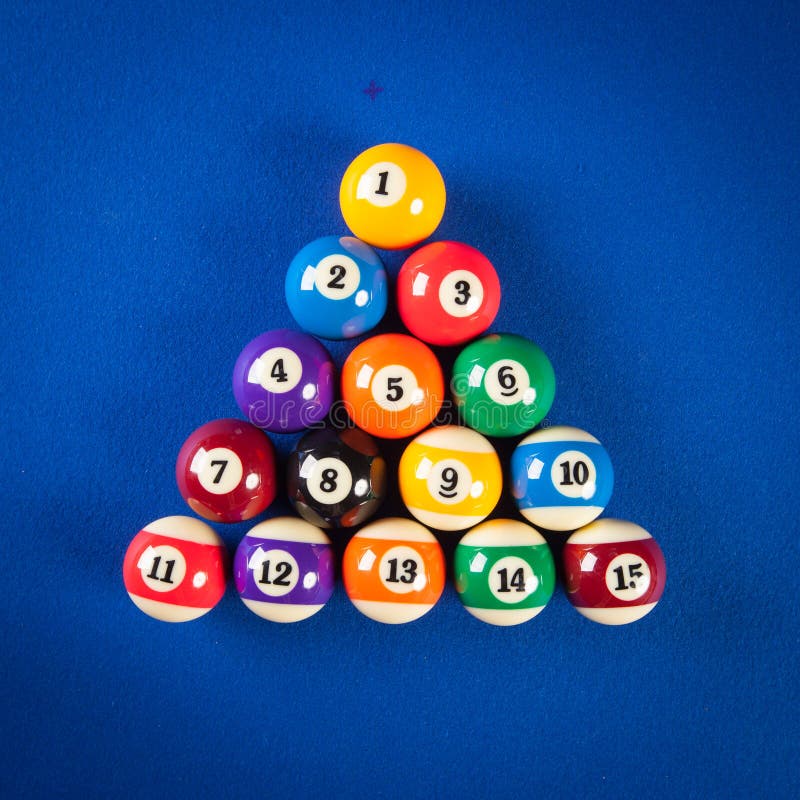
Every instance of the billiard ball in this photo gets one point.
(392, 196)
(393, 570)
(562, 478)
(450, 478)
(392, 386)
(447, 293)
(283, 381)
(175, 569)
(284, 569)
(336, 287)
(504, 572)
(614, 571)
(503, 385)
(336, 478)
(226, 471)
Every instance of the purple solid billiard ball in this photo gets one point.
(283, 381)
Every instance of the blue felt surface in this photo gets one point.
(631, 169)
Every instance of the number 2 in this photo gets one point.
(337, 272)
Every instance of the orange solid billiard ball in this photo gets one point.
(392, 386)
(392, 196)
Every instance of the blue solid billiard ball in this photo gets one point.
(336, 287)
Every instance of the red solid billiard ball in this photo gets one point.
(614, 571)
(447, 293)
(226, 471)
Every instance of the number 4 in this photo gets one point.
(278, 372)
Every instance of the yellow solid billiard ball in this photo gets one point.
(392, 196)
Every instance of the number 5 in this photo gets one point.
(394, 389)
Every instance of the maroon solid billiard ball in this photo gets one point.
(226, 471)
(614, 571)
(447, 293)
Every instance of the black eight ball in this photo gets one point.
(336, 479)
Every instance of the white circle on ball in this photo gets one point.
(628, 577)
(460, 293)
(383, 184)
(402, 570)
(329, 480)
(337, 277)
(275, 571)
(574, 475)
(449, 481)
(512, 580)
(278, 370)
(219, 470)
(162, 567)
(507, 382)
(395, 388)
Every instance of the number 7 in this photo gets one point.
(218, 476)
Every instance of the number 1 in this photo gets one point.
(382, 186)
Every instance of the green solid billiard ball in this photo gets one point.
(503, 384)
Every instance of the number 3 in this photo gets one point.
(462, 288)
